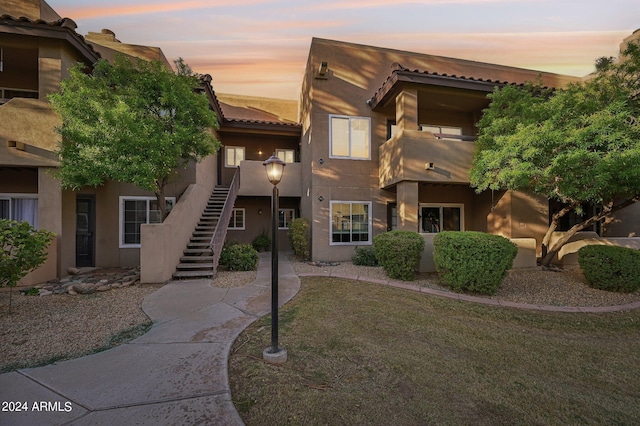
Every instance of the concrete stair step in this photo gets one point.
(196, 259)
(197, 251)
(202, 245)
(192, 274)
(194, 266)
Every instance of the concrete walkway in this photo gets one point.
(175, 374)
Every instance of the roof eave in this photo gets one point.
(63, 29)
(382, 97)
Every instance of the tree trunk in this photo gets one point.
(608, 209)
(160, 196)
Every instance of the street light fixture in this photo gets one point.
(275, 169)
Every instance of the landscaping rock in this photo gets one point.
(97, 280)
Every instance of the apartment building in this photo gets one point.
(380, 139)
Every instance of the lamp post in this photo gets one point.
(275, 169)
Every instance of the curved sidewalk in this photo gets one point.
(174, 374)
(476, 299)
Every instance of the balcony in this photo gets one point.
(253, 180)
(413, 155)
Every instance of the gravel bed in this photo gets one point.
(42, 329)
(532, 286)
(230, 279)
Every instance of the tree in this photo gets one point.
(23, 249)
(576, 145)
(133, 122)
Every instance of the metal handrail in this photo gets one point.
(220, 233)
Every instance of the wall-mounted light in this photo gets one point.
(260, 211)
(428, 166)
(321, 161)
(321, 198)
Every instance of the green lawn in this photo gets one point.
(362, 353)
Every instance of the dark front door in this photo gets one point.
(85, 230)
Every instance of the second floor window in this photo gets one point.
(233, 155)
(286, 155)
(350, 137)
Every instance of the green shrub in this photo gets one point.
(610, 268)
(473, 261)
(262, 242)
(22, 249)
(239, 257)
(365, 256)
(299, 236)
(399, 253)
(225, 254)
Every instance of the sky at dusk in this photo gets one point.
(259, 47)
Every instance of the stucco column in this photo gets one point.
(407, 197)
(407, 110)
(50, 218)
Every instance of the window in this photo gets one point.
(20, 207)
(446, 217)
(285, 216)
(134, 211)
(350, 222)
(236, 221)
(350, 137)
(286, 155)
(233, 155)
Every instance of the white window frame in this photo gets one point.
(12, 196)
(350, 118)
(441, 206)
(232, 218)
(369, 223)
(122, 200)
(235, 162)
(293, 216)
(292, 152)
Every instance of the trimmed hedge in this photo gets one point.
(473, 261)
(365, 256)
(299, 236)
(239, 257)
(398, 252)
(610, 268)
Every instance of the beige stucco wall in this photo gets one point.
(404, 157)
(163, 244)
(624, 223)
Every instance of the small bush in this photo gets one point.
(262, 242)
(225, 254)
(610, 268)
(299, 236)
(239, 257)
(399, 253)
(473, 261)
(365, 256)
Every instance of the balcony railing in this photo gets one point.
(413, 155)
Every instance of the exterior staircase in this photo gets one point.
(198, 259)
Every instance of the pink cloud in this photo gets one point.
(101, 11)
